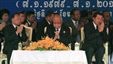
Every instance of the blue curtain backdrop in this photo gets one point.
(40, 7)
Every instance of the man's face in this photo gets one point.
(76, 15)
(31, 18)
(98, 19)
(51, 17)
(57, 22)
(106, 16)
(16, 20)
(5, 17)
(22, 17)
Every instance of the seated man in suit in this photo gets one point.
(58, 31)
(95, 37)
(14, 33)
(46, 21)
(109, 30)
(74, 23)
(110, 41)
(32, 22)
(4, 20)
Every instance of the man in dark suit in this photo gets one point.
(58, 31)
(95, 37)
(109, 26)
(14, 34)
(31, 21)
(74, 23)
(110, 41)
(47, 21)
(4, 17)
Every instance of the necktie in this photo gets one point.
(16, 28)
(76, 24)
(96, 28)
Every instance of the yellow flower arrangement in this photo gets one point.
(46, 44)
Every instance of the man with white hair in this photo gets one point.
(58, 31)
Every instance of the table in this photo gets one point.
(48, 57)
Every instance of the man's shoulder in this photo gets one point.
(110, 23)
(68, 23)
(8, 27)
(88, 26)
(65, 27)
(68, 20)
(49, 27)
(89, 23)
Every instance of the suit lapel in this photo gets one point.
(12, 27)
(61, 30)
(72, 26)
(71, 23)
(92, 26)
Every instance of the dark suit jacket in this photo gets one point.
(75, 32)
(12, 39)
(1, 36)
(93, 38)
(41, 27)
(34, 33)
(64, 34)
(45, 23)
(110, 45)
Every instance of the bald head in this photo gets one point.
(57, 21)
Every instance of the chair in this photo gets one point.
(77, 44)
(3, 57)
(29, 31)
(105, 58)
(82, 36)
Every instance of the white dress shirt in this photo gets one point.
(95, 26)
(75, 23)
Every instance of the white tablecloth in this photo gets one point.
(48, 57)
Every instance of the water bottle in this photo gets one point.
(69, 46)
(20, 46)
(77, 45)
